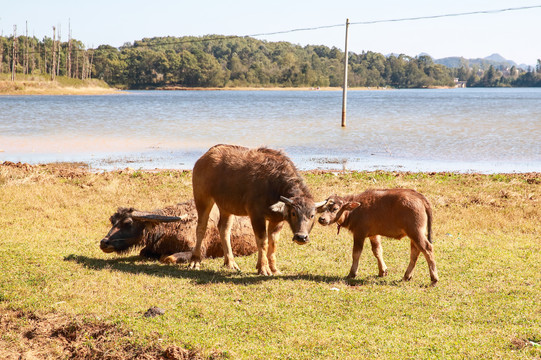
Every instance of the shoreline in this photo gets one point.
(47, 87)
(272, 88)
(531, 176)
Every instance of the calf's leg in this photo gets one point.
(414, 255)
(224, 225)
(428, 251)
(375, 241)
(421, 244)
(358, 243)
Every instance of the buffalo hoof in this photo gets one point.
(231, 265)
(351, 276)
(195, 264)
(265, 271)
(383, 273)
(176, 258)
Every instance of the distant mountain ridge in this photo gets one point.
(495, 60)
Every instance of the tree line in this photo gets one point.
(214, 61)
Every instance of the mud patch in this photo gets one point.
(52, 336)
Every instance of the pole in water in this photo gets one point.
(345, 91)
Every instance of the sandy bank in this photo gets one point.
(42, 87)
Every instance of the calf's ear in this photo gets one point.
(279, 207)
(351, 205)
(320, 206)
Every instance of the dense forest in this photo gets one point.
(218, 61)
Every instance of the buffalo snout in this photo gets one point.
(301, 239)
(323, 221)
(106, 246)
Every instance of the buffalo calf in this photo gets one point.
(393, 213)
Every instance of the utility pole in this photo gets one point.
(345, 89)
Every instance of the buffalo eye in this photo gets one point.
(293, 213)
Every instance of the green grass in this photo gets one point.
(487, 246)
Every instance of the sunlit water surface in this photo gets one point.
(484, 130)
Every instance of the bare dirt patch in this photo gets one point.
(53, 336)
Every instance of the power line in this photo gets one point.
(445, 15)
(341, 25)
(400, 20)
(370, 22)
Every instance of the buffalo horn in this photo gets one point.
(322, 203)
(286, 200)
(149, 216)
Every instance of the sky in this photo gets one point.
(513, 34)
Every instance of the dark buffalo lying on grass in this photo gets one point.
(393, 213)
(169, 234)
(262, 184)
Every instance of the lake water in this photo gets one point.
(482, 130)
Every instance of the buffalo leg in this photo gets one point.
(225, 223)
(273, 235)
(262, 242)
(358, 243)
(414, 255)
(177, 258)
(428, 251)
(203, 213)
(375, 241)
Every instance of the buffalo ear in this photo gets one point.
(280, 207)
(351, 205)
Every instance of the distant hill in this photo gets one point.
(495, 60)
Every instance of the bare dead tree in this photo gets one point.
(14, 57)
(59, 48)
(33, 57)
(90, 64)
(68, 60)
(77, 65)
(53, 64)
(2, 56)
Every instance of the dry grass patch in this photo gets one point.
(42, 85)
(486, 305)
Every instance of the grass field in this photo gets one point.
(62, 297)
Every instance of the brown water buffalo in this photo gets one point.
(169, 233)
(394, 213)
(263, 184)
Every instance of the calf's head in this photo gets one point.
(128, 227)
(300, 213)
(335, 210)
